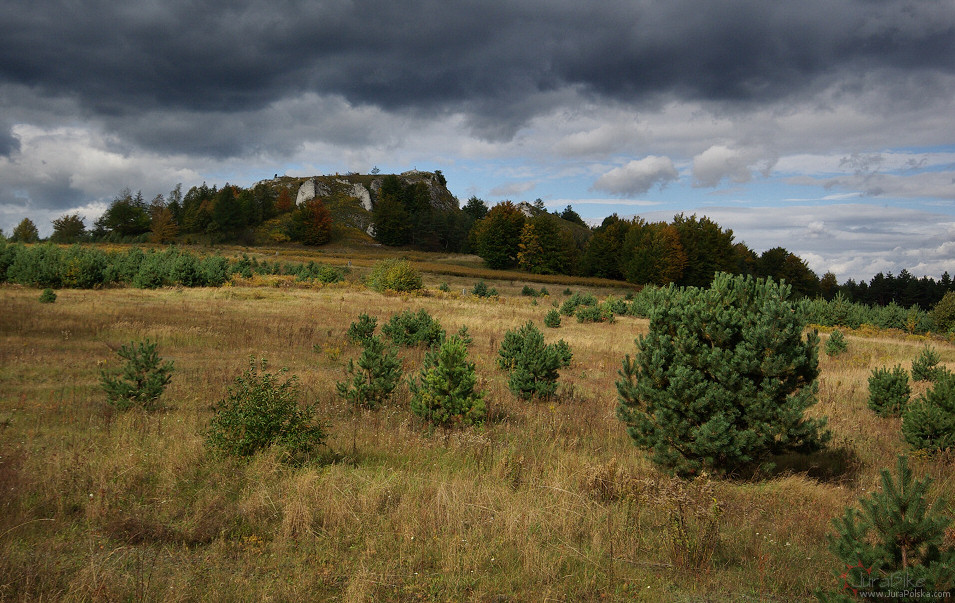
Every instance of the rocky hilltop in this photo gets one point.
(363, 188)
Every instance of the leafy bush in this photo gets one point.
(409, 329)
(943, 314)
(533, 365)
(395, 275)
(260, 412)
(929, 421)
(552, 319)
(529, 291)
(444, 287)
(836, 344)
(925, 366)
(47, 297)
(722, 378)
(362, 329)
(373, 379)
(443, 392)
(141, 380)
(895, 543)
(889, 391)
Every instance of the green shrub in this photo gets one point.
(322, 273)
(444, 287)
(362, 329)
(395, 275)
(567, 291)
(569, 307)
(722, 378)
(443, 392)
(261, 412)
(47, 297)
(616, 306)
(373, 379)
(896, 543)
(544, 292)
(836, 344)
(929, 422)
(593, 314)
(529, 291)
(533, 366)
(409, 329)
(481, 289)
(214, 270)
(552, 319)
(889, 391)
(925, 366)
(141, 380)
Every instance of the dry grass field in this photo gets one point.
(548, 501)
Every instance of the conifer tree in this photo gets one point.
(895, 544)
(141, 380)
(929, 422)
(533, 365)
(443, 392)
(722, 379)
(374, 377)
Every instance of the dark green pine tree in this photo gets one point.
(373, 378)
(893, 549)
(443, 392)
(141, 380)
(722, 378)
(533, 365)
(929, 422)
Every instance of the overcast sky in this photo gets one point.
(823, 126)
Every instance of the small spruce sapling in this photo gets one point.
(141, 380)
(552, 319)
(925, 366)
(533, 365)
(889, 391)
(409, 329)
(895, 543)
(443, 391)
(363, 328)
(929, 422)
(373, 379)
(47, 297)
(836, 344)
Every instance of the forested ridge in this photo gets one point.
(415, 210)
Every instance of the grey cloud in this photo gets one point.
(638, 176)
(488, 60)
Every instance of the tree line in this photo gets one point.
(686, 251)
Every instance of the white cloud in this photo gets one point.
(719, 162)
(638, 176)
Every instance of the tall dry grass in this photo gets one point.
(547, 501)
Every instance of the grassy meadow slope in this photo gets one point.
(547, 501)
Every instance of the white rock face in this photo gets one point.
(359, 192)
(306, 192)
(309, 190)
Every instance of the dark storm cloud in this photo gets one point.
(497, 63)
(8, 142)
